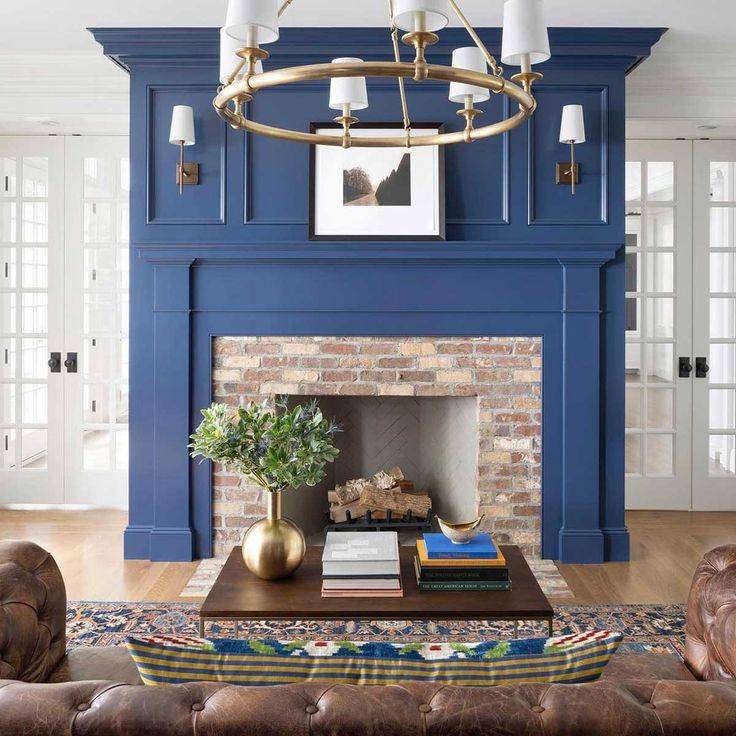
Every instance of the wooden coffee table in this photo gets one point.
(238, 595)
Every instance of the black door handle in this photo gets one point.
(686, 367)
(71, 362)
(701, 367)
(54, 363)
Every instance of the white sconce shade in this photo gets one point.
(435, 18)
(468, 57)
(229, 59)
(525, 39)
(253, 22)
(572, 129)
(348, 90)
(182, 126)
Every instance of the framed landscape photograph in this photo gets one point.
(376, 193)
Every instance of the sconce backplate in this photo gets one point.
(565, 173)
(191, 173)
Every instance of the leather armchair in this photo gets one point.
(85, 695)
(710, 631)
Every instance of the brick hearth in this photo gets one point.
(503, 372)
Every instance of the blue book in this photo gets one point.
(478, 548)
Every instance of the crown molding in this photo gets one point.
(616, 47)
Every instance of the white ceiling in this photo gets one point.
(57, 25)
(691, 77)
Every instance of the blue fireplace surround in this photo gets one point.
(232, 257)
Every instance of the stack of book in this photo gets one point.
(477, 565)
(361, 564)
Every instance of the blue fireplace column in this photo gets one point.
(581, 539)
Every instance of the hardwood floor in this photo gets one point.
(88, 546)
(666, 546)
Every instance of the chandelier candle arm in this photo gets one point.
(400, 80)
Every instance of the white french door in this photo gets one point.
(714, 278)
(681, 325)
(658, 323)
(63, 320)
(31, 253)
(96, 324)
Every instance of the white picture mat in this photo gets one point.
(332, 217)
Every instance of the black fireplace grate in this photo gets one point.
(390, 523)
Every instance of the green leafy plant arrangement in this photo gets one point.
(276, 447)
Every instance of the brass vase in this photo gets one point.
(274, 547)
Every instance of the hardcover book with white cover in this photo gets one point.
(361, 553)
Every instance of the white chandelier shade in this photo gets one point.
(471, 58)
(182, 126)
(525, 39)
(253, 22)
(348, 90)
(420, 15)
(572, 129)
(229, 60)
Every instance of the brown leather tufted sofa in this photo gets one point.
(96, 692)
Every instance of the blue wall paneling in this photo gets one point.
(522, 257)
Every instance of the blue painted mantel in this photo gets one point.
(232, 257)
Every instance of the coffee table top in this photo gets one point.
(239, 594)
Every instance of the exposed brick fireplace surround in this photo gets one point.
(502, 374)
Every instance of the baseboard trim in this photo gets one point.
(171, 545)
(581, 546)
(616, 544)
(137, 542)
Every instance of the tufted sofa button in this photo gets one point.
(650, 705)
(538, 708)
(82, 707)
(197, 706)
(425, 708)
(312, 709)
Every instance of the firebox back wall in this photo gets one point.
(231, 256)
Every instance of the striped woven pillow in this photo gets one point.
(163, 660)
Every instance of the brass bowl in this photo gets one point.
(463, 532)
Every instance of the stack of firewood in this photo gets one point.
(383, 492)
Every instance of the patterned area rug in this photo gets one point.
(651, 628)
(545, 571)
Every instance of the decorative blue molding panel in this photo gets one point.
(231, 256)
(549, 203)
(203, 204)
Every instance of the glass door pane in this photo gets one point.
(658, 247)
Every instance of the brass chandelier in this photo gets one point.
(253, 23)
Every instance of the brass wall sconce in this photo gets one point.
(572, 131)
(182, 134)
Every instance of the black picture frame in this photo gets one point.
(313, 127)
